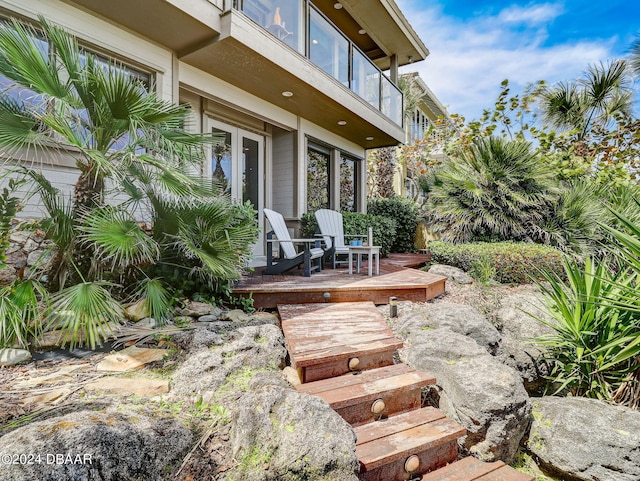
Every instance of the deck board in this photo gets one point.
(395, 279)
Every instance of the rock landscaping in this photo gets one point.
(214, 400)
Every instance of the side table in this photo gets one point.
(372, 251)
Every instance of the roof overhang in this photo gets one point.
(175, 24)
(389, 28)
(250, 58)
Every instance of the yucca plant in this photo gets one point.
(595, 343)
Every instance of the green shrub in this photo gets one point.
(511, 262)
(355, 223)
(405, 212)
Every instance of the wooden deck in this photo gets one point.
(397, 278)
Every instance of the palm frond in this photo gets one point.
(157, 298)
(86, 314)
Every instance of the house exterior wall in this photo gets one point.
(215, 91)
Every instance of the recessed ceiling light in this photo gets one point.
(362, 31)
(337, 5)
(369, 138)
(342, 122)
(286, 93)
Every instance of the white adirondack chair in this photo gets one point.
(289, 258)
(331, 228)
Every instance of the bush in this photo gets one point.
(405, 212)
(512, 262)
(355, 223)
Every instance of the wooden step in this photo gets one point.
(365, 396)
(406, 445)
(472, 469)
(327, 340)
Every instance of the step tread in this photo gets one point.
(354, 378)
(396, 423)
(405, 443)
(472, 469)
(365, 391)
(357, 347)
(325, 332)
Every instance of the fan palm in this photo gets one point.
(494, 190)
(593, 100)
(135, 160)
(635, 56)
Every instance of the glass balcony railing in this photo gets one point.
(299, 24)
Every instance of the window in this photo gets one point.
(333, 179)
(348, 184)
(318, 162)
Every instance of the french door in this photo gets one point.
(238, 164)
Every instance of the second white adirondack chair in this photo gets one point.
(331, 227)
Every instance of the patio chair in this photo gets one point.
(331, 228)
(289, 257)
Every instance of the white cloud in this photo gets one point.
(531, 14)
(469, 59)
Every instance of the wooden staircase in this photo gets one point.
(344, 354)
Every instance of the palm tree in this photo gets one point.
(496, 189)
(595, 100)
(129, 146)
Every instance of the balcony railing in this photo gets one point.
(304, 28)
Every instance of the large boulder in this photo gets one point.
(281, 434)
(476, 389)
(460, 318)
(95, 446)
(519, 326)
(246, 351)
(453, 273)
(586, 439)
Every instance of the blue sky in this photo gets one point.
(474, 45)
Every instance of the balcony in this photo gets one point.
(302, 27)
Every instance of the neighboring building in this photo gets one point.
(428, 113)
(296, 87)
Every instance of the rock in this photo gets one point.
(477, 390)
(208, 318)
(292, 376)
(125, 386)
(453, 273)
(64, 374)
(7, 275)
(460, 318)
(280, 434)
(197, 309)
(236, 315)
(110, 446)
(519, 329)
(586, 439)
(147, 322)
(138, 311)
(10, 356)
(261, 317)
(130, 358)
(19, 237)
(248, 350)
(46, 397)
(30, 245)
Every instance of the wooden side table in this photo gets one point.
(371, 251)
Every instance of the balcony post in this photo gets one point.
(393, 68)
